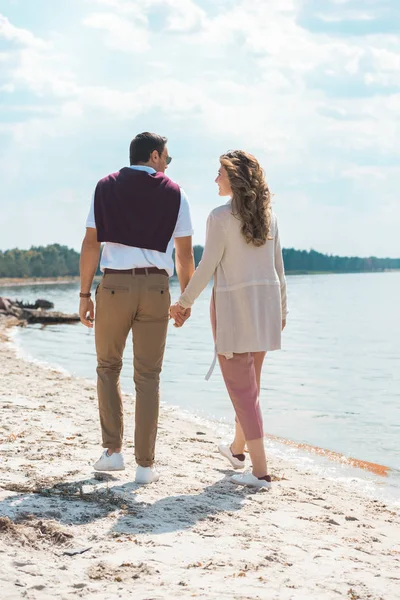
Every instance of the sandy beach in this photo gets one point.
(66, 532)
(22, 281)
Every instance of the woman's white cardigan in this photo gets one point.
(249, 285)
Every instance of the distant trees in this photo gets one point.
(302, 261)
(61, 261)
(40, 261)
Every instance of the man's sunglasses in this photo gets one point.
(168, 158)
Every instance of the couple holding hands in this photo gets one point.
(141, 215)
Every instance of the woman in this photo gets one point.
(248, 308)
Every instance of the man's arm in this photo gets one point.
(184, 264)
(90, 254)
(184, 260)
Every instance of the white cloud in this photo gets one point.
(128, 36)
(181, 15)
(384, 67)
(184, 16)
(20, 36)
(44, 73)
(347, 16)
(9, 88)
(72, 110)
(386, 59)
(361, 173)
(126, 7)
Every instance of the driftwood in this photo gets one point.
(34, 313)
(39, 303)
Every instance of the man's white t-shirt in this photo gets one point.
(119, 256)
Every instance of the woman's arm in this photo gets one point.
(212, 255)
(280, 269)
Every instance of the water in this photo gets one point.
(336, 383)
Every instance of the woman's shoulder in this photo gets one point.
(225, 210)
(274, 222)
(221, 212)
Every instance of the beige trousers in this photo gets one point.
(138, 303)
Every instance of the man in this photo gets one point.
(139, 214)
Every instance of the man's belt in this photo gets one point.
(140, 271)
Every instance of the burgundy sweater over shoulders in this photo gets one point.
(136, 208)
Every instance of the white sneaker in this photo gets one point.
(235, 462)
(146, 475)
(250, 480)
(115, 462)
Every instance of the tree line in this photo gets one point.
(60, 261)
(40, 261)
(302, 261)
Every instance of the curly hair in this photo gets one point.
(251, 198)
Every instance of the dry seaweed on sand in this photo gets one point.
(123, 572)
(27, 530)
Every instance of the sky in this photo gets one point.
(311, 88)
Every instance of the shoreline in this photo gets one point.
(191, 534)
(21, 281)
(331, 456)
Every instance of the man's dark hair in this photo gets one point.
(143, 145)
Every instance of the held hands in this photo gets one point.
(179, 314)
(86, 311)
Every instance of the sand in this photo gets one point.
(22, 281)
(68, 533)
